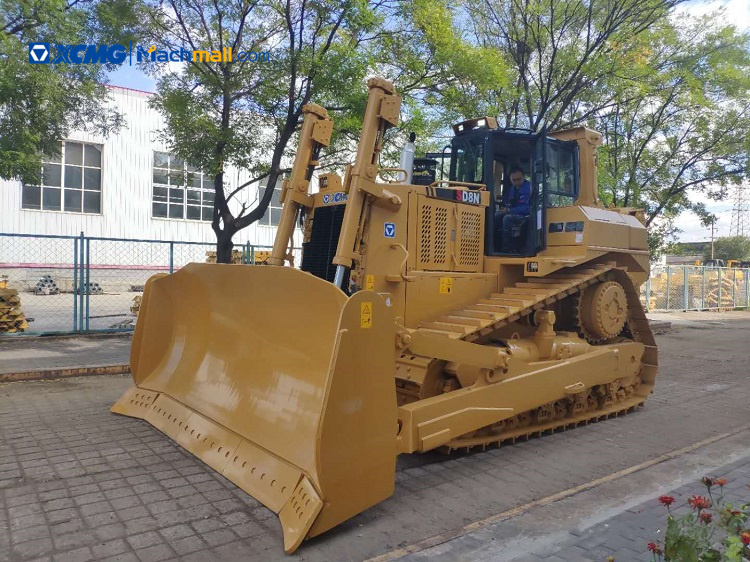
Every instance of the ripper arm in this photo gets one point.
(315, 134)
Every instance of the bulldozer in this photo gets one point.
(410, 326)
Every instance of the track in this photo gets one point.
(477, 322)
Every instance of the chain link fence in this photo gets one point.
(77, 284)
(686, 287)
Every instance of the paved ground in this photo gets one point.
(78, 483)
(22, 354)
(617, 516)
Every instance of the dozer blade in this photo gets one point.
(275, 379)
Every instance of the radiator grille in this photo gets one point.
(319, 251)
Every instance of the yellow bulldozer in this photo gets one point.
(414, 323)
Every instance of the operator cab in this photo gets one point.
(481, 153)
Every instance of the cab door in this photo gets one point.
(539, 182)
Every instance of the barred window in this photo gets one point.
(273, 213)
(181, 191)
(70, 182)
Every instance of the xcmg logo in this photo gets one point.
(42, 53)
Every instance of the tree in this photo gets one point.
(730, 248)
(563, 53)
(681, 128)
(671, 94)
(246, 113)
(40, 103)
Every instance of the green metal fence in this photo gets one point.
(82, 284)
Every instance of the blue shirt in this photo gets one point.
(522, 199)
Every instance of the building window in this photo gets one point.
(181, 191)
(273, 213)
(71, 182)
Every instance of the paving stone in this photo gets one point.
(155, 553)
(107, 532)
(36, 547)
(187, 545)
(124, 557)
(30, 533)
(143, 540)
(218, 537)
(73, 540)
(77, 555)
(109, 548)
(129, 513)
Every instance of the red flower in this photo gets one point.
(734, 512)
(655, 548)
(666, 500)
(706, 517)
(707, 481)
(720, 482)
(745, 538)
(699, 502)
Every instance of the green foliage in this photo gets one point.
(680, 129)
(670, 93)
(40, 104)
(247, 113)
(730, 248)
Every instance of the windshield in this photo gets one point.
(467, 158)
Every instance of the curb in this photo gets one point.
(48, 374)
(660, 326)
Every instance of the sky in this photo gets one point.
(736, 12)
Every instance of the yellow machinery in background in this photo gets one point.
(406, 329)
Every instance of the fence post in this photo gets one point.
(718, 292)
(252, 254)
(734, 287)
(80, 282)
(88, 283)
(684, 287)
(171, 257)
(75, 284)
(669, 283)
(648, 293)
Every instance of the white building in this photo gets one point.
(126, 186)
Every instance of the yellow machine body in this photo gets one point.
(402, 334)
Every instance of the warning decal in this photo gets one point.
(365, 315)
(446, 285)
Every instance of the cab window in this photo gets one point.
(562, 188)
(467, 162)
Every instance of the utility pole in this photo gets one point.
(712, 238)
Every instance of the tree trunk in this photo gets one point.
(224, 246)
